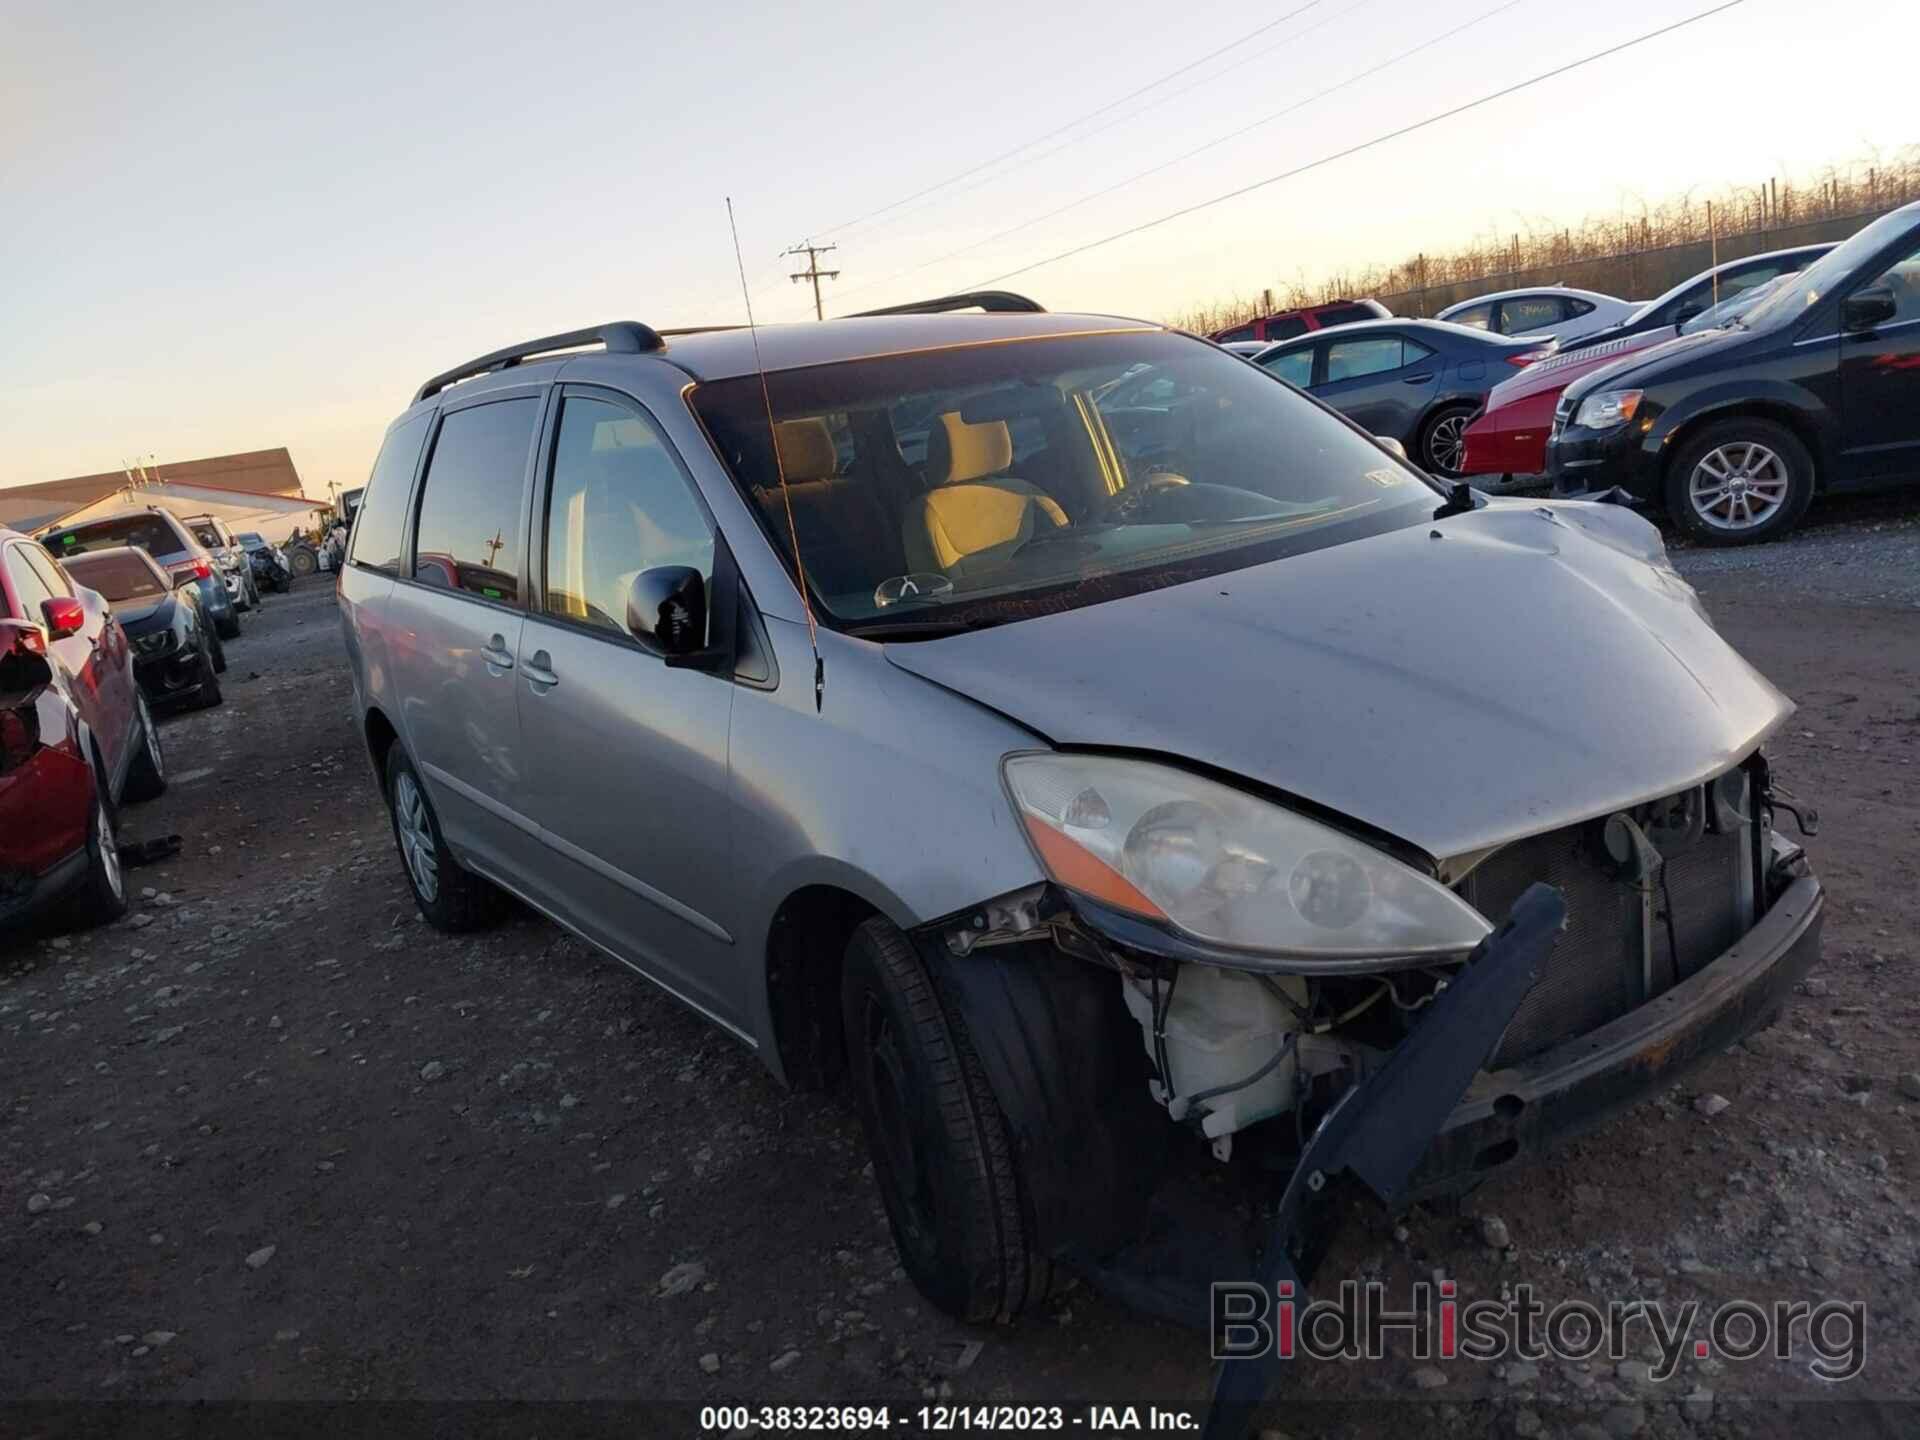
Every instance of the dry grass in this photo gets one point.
(1615, 253)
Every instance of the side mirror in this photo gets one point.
(667, 609)
(64, 614)
(1865, 309)
(1387, 442)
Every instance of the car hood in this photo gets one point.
(1457, 684)
(1639, 364)
(1556, 372)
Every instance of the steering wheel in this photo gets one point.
(1135, 503)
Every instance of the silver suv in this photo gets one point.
(1102, 759)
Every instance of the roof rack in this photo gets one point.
(621, 337)
(993, 302)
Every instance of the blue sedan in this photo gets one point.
(1415, 381)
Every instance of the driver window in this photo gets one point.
(618, 505)
(28, 587)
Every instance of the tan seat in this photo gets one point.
(844, 535)
(971, 513)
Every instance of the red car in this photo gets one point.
(75, 739)
(1509, 436)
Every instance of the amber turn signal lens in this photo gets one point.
(1074, 868)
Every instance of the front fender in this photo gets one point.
(1797, 406)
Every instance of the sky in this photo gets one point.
(232, 227)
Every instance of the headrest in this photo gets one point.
(807, 451)
(957, 451)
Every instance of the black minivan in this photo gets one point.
(1733, 431)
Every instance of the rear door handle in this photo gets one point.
(1417, 379)
(539, 672)
(499, 659)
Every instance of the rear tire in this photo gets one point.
(229, 628)
(452, 898)
(1758, 469)
(941, 1153)
(101, 896)
(1443, 448)
(219, 649)
(147, 778)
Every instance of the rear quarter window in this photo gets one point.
(382, 521)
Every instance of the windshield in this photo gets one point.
(148, 532)
(985, 483)
(1733, 308)
(207, 536)
(118, 575)
(1802, 292)
(251, 540)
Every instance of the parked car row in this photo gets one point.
(102, 624)
(1728, 403)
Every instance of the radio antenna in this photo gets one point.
(780, 469)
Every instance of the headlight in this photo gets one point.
(1226, 868)
(157, 643)
(1607, 409)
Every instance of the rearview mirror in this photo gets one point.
(64, 615)
(1387, 442)
(1864, 309)
(1687, 312)
(667, 609)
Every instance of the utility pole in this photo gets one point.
(813, 271)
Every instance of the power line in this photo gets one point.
(813, 271)
(1351, 150)
(847, 226)
(1197, 150)
(1130, 117)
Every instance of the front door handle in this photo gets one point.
(539, 672)
(498, 657)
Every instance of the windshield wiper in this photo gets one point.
(928, 629)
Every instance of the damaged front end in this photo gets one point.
(1169, 1087)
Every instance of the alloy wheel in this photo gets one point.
(416, 837)
(1739, 485)
(154, 755)
(109, 849)
(1447, 444)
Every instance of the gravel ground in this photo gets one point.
(271, 1139)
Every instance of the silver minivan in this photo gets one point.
(1103, 761)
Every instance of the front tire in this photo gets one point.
(211, 664)
(1443, 445)
(941, 1152)
(452, 898)
(1739, 482)
(147, 778)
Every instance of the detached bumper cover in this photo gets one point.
(1513, 1113)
